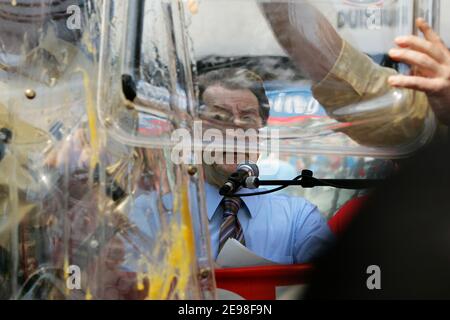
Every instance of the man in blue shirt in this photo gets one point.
(283, 229)
(280, 228)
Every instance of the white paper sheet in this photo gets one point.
(235, 255)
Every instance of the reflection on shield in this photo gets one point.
(92, 116)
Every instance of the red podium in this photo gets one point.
(260, 283)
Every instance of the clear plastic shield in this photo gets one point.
(324, 68)
(84, 215)
(311, 78)
(47, 81)
(108, 131)
(145, 95)
(284, 83)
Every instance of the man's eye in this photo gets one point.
(220, 117)
(248, 118)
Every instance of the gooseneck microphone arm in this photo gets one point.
(311, 182)
(306, 180)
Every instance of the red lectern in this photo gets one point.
(260, 283)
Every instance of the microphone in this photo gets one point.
(238, 178)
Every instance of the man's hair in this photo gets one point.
(237, 79)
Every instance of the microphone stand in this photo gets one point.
(350, 184)
(306, 180)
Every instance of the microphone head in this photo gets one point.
(251, 183)
(226, 189)
(250, 167)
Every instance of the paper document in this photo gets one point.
(235, 255)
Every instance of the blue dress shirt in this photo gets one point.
(280, 228)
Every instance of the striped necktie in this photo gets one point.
(230, 227)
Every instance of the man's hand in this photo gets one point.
(430, 62)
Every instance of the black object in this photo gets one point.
(134, 36)
(5, 138)
(308, 181)
(2, 151)
(132, 58)
(113, 190)
(238, 179)
(5, 262)
(5, 135)
(129, 87)
(404, 230)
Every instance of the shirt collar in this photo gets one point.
(213, 199)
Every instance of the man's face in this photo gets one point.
(231, 109)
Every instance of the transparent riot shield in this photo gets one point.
(319, 72)
(47, 80)
(292, 85)
(85, 214)
(146, 94)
